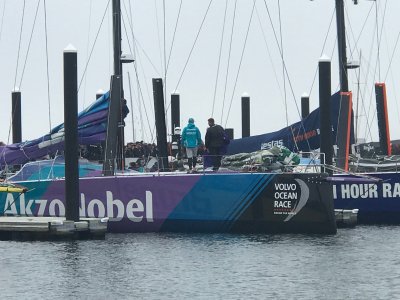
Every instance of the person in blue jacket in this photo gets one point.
(191, 140)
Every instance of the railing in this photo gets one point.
(379, 164)
(54, 169)
(311, 162)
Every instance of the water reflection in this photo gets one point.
(356, 262)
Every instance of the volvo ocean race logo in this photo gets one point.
(290, 197)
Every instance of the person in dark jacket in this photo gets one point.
(191, 140)
(214, 141)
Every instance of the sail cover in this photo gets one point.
(300, 136)
(92, 126)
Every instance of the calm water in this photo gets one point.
(357, 263)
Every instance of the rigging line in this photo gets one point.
(381, 36)
(140, 94)
(378, 36)
(269, 53)
(170, 51)
(94, 44)
(391, 58)
(240, 62)
(19, 43)
(140, 100)
(368, 127)
(173, 36)
(29, 44)
(110, 42)
(158, 35)
(194, 44)
(358, 100)
(355, 47)
(283, 69)
(229, 60)
(369, 122)
(378, 40)
(164, 48)
(348, 42)
(133, 50)
(2, 18)
(356, 43)
(368, 65)
(126, 33)
(383, 25)
(280, 52)
(165, 69)
(361, 31)
(135, 67)
(137, 43)
(394, 91)
(132, 120)
(219, 58)
(87, 49)
(166, 107)
(130, 18)
(47, 63)
(356, 40)
(373, 76)
(351, 56)
(368, 131)
(137, 81)
(349, 27)
(322, 51)
(273, 30)
(129, 77)
(287, 74)
(270, 57)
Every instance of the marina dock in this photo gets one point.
(346, 217)
(51, 228)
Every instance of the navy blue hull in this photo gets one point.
(378, 202)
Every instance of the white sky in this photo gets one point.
(304, 26)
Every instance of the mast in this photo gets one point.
(115, 130)
(116, 11)
(116, 8)
(341, 36)
(345, 112)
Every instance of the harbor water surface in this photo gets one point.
(358, 263)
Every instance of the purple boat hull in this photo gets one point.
(217, 202)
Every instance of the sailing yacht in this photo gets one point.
(168, 201)
(371, 186)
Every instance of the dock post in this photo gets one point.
(229, 132)
(161, 128)
(175, 112)
(16, 116)
(383, 119)
(326, 146)
(71, 134)
(245, 115)
(305, 105)
(175, 124)
(99, 93)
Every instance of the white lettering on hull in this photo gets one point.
(135, 209)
